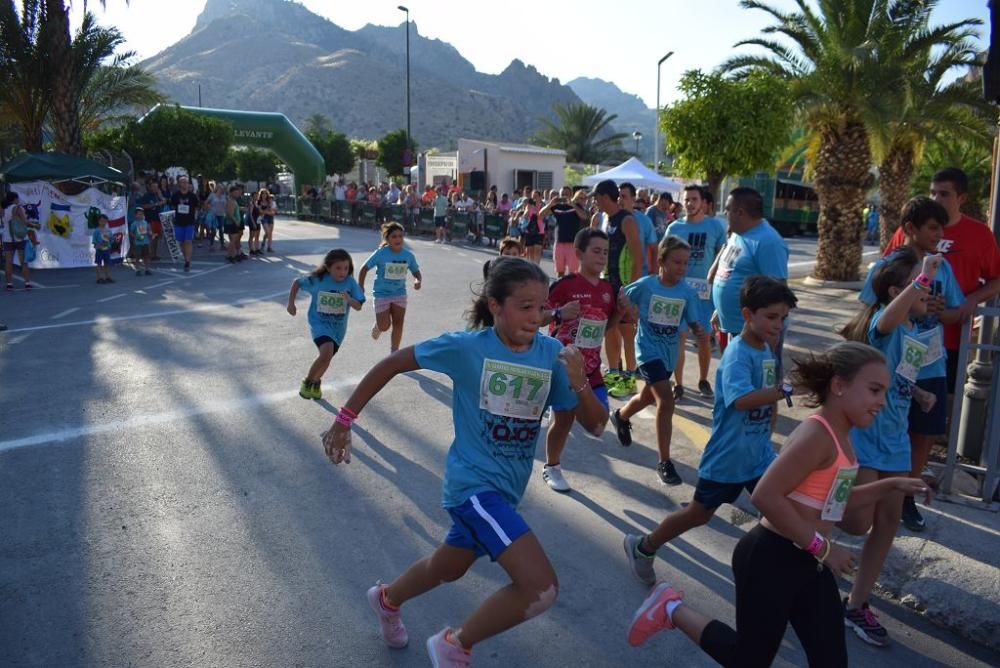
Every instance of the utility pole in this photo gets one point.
(656, 124)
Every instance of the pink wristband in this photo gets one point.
(344, 418)
(349, 412)
(923, 280)
(816, 546)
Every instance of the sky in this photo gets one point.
(615, 41)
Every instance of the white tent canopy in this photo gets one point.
(636, 173)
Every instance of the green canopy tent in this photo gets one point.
(59, 168)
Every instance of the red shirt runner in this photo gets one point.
(597, 303)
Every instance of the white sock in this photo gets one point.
(671, 606)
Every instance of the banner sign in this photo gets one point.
(68, 223)
(167, 222)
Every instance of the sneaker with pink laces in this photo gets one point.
(652, 617)
(444, 651)
(393, 632)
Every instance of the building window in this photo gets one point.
(544, 180)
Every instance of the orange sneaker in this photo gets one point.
(652, 617)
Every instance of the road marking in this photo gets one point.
(695, 433)
(142, 421)
(65, 313)
(104, 320)
(113, 297)
(160, 285)
(34, 284)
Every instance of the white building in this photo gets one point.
(509, 166)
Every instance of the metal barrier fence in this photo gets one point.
(461, 225)
(977, 407)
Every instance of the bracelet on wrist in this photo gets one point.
(827, 546)
(920, 286)
(923, 279)
(816, 545)
(577, 390)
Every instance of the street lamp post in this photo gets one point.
(656, 125)
(405, 9)
(637, 136)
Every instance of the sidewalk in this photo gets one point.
(949, 572)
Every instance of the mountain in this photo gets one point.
(633, 114)
(276, 55)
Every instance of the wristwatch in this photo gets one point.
(786, 389)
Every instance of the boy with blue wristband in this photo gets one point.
(739, 449)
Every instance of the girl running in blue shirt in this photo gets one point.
(333, 289)
(505, 374)
(889, 324)
(392, 263)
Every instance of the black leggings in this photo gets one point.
(777, 583)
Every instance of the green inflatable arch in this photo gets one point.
(275, 132)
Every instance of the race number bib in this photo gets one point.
(913, 357)
(395, 271)
(700, 285)
(331, 303)
(935, 346)
(836, 499)
(769, 367)
(514, 390)
(665, 311)
(183, 209)
(589, 333)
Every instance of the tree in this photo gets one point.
(391, 151)
(584, 132)
(171, 136)
(336, 150)
(254, 164)
(317, 124)
(975, 159)
(115, 88)
(364, 149)
(712, 135)
(842, 69)
(24, 100)
(922, 107)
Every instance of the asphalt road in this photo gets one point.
(165, 501)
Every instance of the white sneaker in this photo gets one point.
(553, 477)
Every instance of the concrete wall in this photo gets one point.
(501, 164)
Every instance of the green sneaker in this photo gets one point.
(316, 392)
(619, 389)
(611, 378)
(630, 384)
(305, 390)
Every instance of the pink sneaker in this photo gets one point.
(393, 632)
(652, 617)
(446, 654)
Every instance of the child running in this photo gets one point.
(660, 304)
(579, 308)
(508, 247)
(504, 376)
(739, 449)
(392, 262)
(923, 222)
(333, 289)
(784, 567)
(883, 447)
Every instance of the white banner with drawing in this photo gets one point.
(68, 223)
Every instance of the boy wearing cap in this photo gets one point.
(140, 237)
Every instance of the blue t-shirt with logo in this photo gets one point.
(498, 398)
(647, 236)
(328, 309)
(706, 239)
(140, 232)
(930, 327)
(885, 444)
(663, 310)
(739, 448)
(659, 219)
(102, 239)
(760, 250)
(391, 270)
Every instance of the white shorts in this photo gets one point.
(382, 304)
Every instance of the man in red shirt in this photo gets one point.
(971, 250)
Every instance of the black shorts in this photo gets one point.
(440, 221)
(320, 340)
(713, 494)
(533, 239)
(934, 423)
(654, 372)
(232, 228)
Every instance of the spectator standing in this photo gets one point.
(15, 235)
(659, 212)
(440, 215)
(570, 216)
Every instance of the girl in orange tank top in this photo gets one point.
(784, 567)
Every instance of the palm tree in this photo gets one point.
(841, 79)
(24, 102)
(923, 109)
(584, 132)
(115, 88)
(317, 124)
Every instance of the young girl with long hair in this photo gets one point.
(392, 262)
(902, 287)
(253, 214)
(784, 567)
(265, 201)
(233, 226)
(333, 290)
(505, 375)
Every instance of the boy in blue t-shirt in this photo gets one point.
(923, 222)
(103, 239)
(141, 233)
(739, 450)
